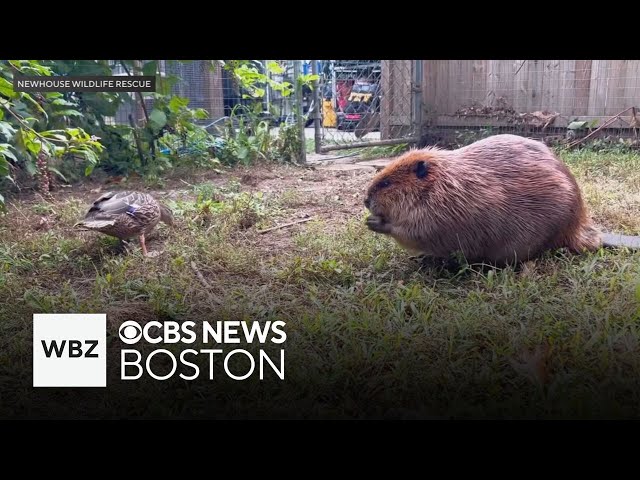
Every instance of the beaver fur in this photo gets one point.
(501, 200)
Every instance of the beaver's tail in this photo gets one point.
(616, 240)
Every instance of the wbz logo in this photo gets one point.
(75, 348)
(69, 350)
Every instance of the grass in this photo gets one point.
(364, 153)
(370, 332)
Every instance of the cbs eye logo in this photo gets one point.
(130, 332)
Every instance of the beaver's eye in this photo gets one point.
(422, 169)
(384, 183)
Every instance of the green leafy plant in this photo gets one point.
(288, 144)
(33, 132)
(254, 76)
(247, 138)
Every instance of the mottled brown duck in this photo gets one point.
(125, 215)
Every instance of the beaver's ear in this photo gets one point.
(422, 169)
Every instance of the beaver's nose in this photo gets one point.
(367, 203)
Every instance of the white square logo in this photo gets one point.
(69, 350)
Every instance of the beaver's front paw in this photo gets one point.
(377, 224)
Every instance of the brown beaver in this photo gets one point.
(501, 200)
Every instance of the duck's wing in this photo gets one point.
(112, 204)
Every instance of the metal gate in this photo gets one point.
(364, 103)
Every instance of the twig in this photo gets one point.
(605, 124)
(24, 125)
(204, 283)
(520, 67)
(19, 211)
(144, 110)
(137, 139)
(138, 94)
(285, 225)
(46, 200)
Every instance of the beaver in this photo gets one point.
(503, 200)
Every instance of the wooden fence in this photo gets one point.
(508, 92)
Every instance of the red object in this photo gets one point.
(343, 90)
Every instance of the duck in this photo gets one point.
(125, 215)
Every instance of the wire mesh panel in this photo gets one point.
(207, 85)
(200, 81)
(203, 82)
(368, 102)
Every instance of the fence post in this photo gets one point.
(417, 98)
(299, 119)
(317, 111)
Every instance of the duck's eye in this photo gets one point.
(384, 183)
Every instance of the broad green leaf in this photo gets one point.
(275, 67)
(54, 136)
(7, 130)
(5, 150)
(1, 114)
(243, 152)
(150, 68)
(57, 172)
(31, 67)
(67, 113)
(4, 166)
(6, 88)
(576, 125)
(176, 103)
(31, 142)
(201, 114)
(62, 101)
(157, 118)
(305, 79)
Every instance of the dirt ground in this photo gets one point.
(328, 192)
(371, 333)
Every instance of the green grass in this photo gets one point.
(376, 151)
(365, 153)
(371, 333)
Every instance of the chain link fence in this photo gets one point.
(207, 85)
(367, 103)
(204, 82)
(357, 103)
